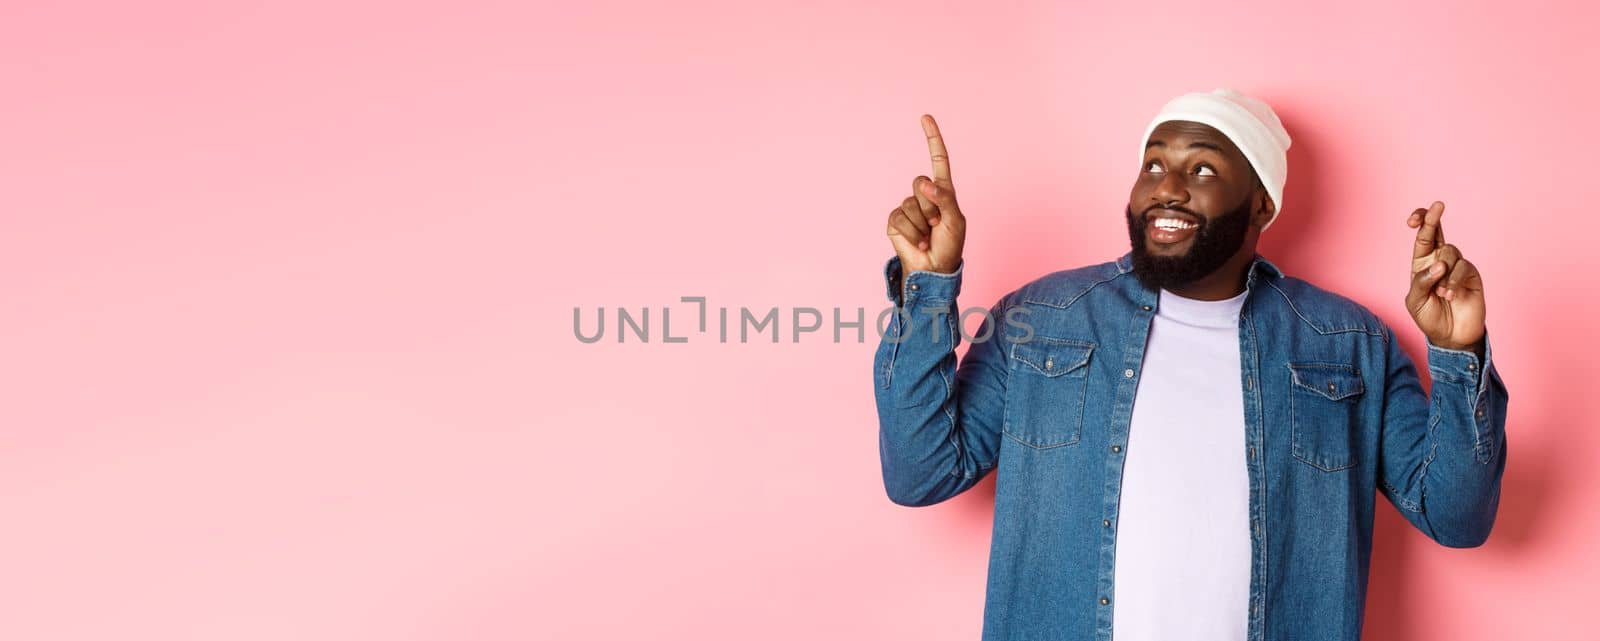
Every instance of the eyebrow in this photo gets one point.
(1198, 143)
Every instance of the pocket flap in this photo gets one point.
(1052, 356)
(1333, 381)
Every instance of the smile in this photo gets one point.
(1169, 227)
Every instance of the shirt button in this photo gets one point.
(1106, 522)
(1331, 387)
(1049, 363)
(1252, 452)
(1105, 601)
(1480, 412)
(913, 286)
(1116, 448)
(1249, 382)
(1145, 307)
(1472, 366)
(1127, 373)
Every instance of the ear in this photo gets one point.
(1264, 208)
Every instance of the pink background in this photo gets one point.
(288, 292)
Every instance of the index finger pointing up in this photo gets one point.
(936, 151)
(1429, 236)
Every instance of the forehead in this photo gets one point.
(1178, 134)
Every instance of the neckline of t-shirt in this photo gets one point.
(1207, 313)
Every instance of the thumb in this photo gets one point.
(943, 195)
(1422, 284)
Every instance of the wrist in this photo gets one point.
(1475, 347)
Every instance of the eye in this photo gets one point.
(1205, 168)
(1153, 163)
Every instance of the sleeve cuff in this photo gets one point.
(921, 285)
(1462, 366)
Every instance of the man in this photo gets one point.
(1187, 442)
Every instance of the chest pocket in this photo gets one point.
(1323, 408)
(1045, 397)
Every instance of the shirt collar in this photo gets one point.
(1264, 267)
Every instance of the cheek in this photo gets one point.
(1140, 192)
(1210, 200)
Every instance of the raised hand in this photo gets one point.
(1446, 297)
(927, 229)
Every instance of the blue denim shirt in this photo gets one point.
(1334, 415)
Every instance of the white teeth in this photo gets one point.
(1172, 224)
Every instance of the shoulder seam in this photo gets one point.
(1339, 330)
(1074, 297)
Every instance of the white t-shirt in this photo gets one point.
(1183, 532)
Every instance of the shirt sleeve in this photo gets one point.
(939, 422)
(1444, 454)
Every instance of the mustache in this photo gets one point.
(1185, 210)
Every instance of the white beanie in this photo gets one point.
(1248, 122)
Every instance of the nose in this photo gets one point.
(1170, 190)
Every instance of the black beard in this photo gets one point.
(1215, 241)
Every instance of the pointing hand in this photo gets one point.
(927, 229)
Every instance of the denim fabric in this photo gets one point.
(1334, 415)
